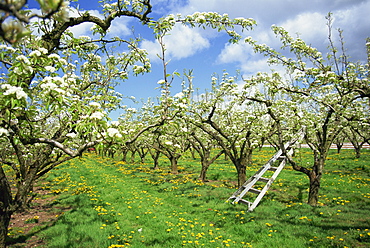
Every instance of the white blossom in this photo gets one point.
(50, 68)
(43, 50)
(169, 143)
(181, 105)
(95, 104)
(23, 58)
(3, 131)
(177, 146)
(179, 95)
(138, 69)
(97, 115)
(71, 135)
(161, 81)
(63, 61)
(49, 86)
(35, 53)
(115, 123)
(18, 91)
(54, 56)
(113, 132)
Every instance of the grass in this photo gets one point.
(119, 205)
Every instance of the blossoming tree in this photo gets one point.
(56, 92)
(320, 92)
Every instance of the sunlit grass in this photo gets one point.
(119, 205)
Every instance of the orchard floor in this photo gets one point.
(26, 225)
(104, 203)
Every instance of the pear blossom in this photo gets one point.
(50, 68)
(18, 91)
(49, 86)
(182, 105)
(115, 123)
(138, 69)
(179, 95)
(95, 104)
(3, 131)
(113, 132)
(71, 135)
(97, 115)
(43, 50)
(23, 59)
(54, 56)
(35, 53)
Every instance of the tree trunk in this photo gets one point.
(5, 204)
(205, 155)
(358, 152)
(173, 160)
(124, 155)
(339, 147)
(203, 171)
(4, 224)
(313, 195)
(315, 177)
(142, 153)
(241, 169)
(133, 156)
(155, 157)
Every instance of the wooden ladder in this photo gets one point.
(237, 197)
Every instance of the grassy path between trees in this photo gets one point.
(114, 204)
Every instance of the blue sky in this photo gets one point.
(207, 52)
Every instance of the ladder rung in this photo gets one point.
(264, 179)
(281, 158)
(273, 168)
(245, 202)
(253, 190)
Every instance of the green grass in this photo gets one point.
(118, 205)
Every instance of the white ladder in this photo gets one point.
(237, 197)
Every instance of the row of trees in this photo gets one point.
(57, 91)
(327, 94)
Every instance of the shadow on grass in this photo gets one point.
(21, 240)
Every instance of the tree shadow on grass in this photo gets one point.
(21, 240)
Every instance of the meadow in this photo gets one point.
(109, 203)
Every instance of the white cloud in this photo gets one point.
(234, 53)
(182, 42)
(310, 26)
(306, 18)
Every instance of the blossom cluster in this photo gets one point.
(14, 90)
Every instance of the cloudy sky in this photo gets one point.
(207, 52)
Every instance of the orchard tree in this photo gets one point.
(237, 127)
(358, 133)
(322, 91)
(172, 138)
(204, 145)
